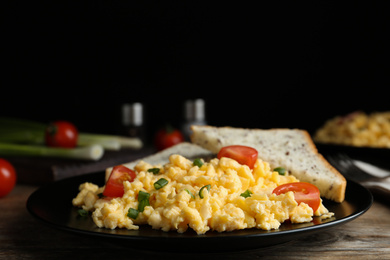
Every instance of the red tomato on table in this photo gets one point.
(114, 186)
(303, 192)
(61, 134)
(167, 137)
(7, 177)
(242, 154)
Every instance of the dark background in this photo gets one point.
(280, 64)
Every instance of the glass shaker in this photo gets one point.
(133, 120)
(194, 114)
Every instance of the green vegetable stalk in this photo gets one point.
(92, 152)
(18, 131)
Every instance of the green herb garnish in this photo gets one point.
(246, 194)
(208, 186)
(143, 200)
(198, 162)
(280, 170)
(132, 213)
(155, 171)
(189, 192)
(82, 212)
(160, 183)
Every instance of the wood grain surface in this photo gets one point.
(24, 237)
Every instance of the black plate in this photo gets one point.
(53, 205)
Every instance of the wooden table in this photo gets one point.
(24, 237)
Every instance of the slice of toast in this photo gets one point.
(186, 149)
(292, 149)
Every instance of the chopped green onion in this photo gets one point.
(280, 170)
(198, 162)
(189, 192)
(21, 136)
(20, 123)
(142, 204)
(93, 152)
(109, 142)
(82, 212)
(142, 195)
(246, 194)
(155, 171)
(160, 183)
(132, 213)
(208, 186)
(143, 200)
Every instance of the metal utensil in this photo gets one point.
(346, 165)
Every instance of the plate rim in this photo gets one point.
(173, 235)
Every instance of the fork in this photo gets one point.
(378, 185)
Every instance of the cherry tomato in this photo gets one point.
(61, 134)
(242, 154)
(7, 177)
(167, 137)
(114, 186)
(303, 192)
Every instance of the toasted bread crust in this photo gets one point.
(339, 193)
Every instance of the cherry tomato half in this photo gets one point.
(7, 177)
(61, 134)
(242, 154)
(303, 192)
(114, 186)
(167, 137)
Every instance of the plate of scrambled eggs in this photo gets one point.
(191, 205)
(357, 129)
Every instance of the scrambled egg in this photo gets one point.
(357, 129)
(209, 197)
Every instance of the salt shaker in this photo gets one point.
(133, 120)
(194, 114)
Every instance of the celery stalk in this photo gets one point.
(92, 152)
